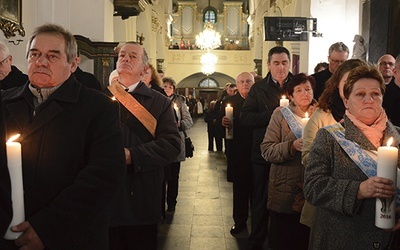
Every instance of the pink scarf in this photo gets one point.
(374, 132)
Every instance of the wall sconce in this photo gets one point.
(16, 42)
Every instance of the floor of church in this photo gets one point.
(203, 215)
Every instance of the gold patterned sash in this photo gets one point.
(131, 104)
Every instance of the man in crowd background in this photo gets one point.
(147, 152)
(262, 100)
(386, 66)
(10, 76)
(338, 53)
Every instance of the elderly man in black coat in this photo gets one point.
(150, 144)
(72, 152)
(239, 153)
(10, 76)
(261, 102)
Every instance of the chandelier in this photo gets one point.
(208, 39)
(208, 62)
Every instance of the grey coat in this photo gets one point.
(331, 183)
(287, 173)
(186, 121)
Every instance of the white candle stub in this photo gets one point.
(178, 113)
(229, 129)
(385, 214)
(14, 163)
(284, 102)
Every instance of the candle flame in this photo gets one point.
(390, 141)
(113, 98)
(12, 138)
(283, 97)
(306, 114)
(228, 105)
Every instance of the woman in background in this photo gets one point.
(184, 122)
(282, 146)
(152, 79)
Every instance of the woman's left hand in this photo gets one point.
(376, 187)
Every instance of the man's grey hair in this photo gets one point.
(339, 47)
(145, 57)
(4, 48)
(71, 48)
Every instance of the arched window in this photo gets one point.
(210, 15)
(208, 83)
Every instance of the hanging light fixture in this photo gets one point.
(208, 62)
(208, 39)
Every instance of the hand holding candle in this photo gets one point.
(385, 214)
(14, 163)
(229, 114)
(284, 102)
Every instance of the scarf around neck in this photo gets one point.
(374, 132)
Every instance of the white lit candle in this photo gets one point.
(178, 114)
(385, 213)
(229, 129)
(304, 123)
(14, 163)
(284, 102)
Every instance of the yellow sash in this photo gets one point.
(131, 104)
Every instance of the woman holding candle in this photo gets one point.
(330, 110)
(184, 121)
(340, 160)
(282, 146)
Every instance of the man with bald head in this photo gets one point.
(239, 153)
(391, 99)
(10, 76)
(386, 67)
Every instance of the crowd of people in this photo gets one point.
(101, 165)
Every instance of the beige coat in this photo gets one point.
(287, 173)
(318, 120)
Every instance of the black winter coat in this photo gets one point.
(140, 202)
(72, 162)
(261, 102)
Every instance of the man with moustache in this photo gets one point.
(150, 145)
(262, 100)
(72, 153)
(239, 153)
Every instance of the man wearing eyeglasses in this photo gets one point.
(391, 98)
(338, 53)
(10, 76)
(386, 67)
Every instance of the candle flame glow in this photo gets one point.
(390, 141)
(12, 138)
(283, 97)
(228, 105)
(306, 114)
